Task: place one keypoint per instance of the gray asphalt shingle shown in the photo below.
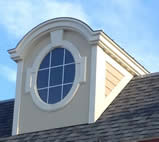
(6, 117)
(132, 116)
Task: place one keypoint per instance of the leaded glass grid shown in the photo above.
(56, 75)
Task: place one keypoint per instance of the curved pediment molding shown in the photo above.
(63, 23)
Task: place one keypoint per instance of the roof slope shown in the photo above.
(6, 117)
(133, 116)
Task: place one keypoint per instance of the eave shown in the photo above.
(118, 54)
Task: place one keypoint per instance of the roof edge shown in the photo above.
(119, 54)
(5, 101)
(125, 52)
(61, 22)
(95, 37)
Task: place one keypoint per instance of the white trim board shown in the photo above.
(98, 100)
(17, 102)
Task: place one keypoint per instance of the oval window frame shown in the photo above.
(80, 75)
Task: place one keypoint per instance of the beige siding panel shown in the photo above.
(113, 77)
(109, 84)
(114, 71)
(107, 90)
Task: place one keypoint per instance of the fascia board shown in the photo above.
(122, 51)
(121, 56)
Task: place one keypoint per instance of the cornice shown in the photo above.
(95, 38)
(118, 54)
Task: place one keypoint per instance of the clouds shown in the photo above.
(8, 73)
(133, 25)
(20, 16)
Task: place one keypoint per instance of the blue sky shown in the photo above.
(133, 24)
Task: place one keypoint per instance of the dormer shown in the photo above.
(67, 75)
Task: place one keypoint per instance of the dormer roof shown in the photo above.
(97, 37)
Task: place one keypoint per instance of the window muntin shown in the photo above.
(56, 75)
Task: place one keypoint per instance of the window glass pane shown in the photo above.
(68, 57)
(42, 80)
(57, 57)
(54, 95)
(56, 76)
(51, 78)
(45, 62)
(69, 73)
(43, 94)
(66, 89)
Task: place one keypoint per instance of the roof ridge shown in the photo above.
(5, 101)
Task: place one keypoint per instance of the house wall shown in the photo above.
(31, 117)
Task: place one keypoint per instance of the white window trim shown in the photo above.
(80, 75)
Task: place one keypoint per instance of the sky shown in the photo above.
(133, 24)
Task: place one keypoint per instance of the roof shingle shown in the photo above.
(6, 117)
(133, 116)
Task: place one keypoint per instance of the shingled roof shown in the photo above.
(6, 117)
(133, 116)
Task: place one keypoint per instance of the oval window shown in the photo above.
(55, 75)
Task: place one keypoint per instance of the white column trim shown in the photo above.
(92, 85)
(17, 102)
